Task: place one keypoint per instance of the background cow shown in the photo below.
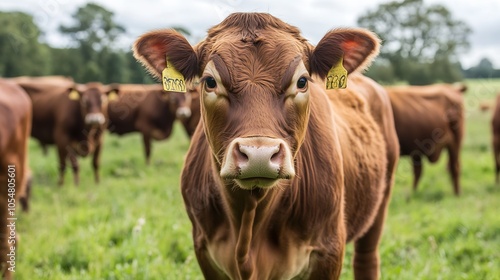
(71, 116)
(149, 110)
(495, 128)
(429, 119)
(15, 126)
(190, 123)
(281, 173)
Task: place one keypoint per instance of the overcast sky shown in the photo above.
(313, 17)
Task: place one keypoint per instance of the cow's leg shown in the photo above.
(416, 160)
(496, 154)
(74, 165)
(209, 272)
(329, 266)
(44, 148)
(146, 138)
(206, 264)
(366, 261)
(62, 153)
(27, 194)
(96, 159)
(454, 167)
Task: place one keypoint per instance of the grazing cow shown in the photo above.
(495, 124)
(281, 172)
(71, 116)
(15, 126)
(147, 109)
(429, 119)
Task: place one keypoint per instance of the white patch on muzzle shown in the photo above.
(183, 113)
(95, 119)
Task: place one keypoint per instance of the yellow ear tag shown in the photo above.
(337, 76)
(172, 79)
(74, 95)
(112, 96)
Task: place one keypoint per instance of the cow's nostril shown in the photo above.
(254, 159)
(240, 155)
(277, 156)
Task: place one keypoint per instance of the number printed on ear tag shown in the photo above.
(337, 76)
(172, 79)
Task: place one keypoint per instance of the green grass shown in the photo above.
(93, 232)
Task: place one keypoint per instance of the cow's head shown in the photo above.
(183, 112)
(93, 98)
(178, 102)
(257, 77)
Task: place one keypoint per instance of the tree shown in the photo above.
(94, 28)
(21, 53)
(94, 33)
(381, 71)
(67, 62)
(413, 33)
(484, 69)
(138, 74)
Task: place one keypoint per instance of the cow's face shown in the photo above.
(93, 100)
(179, 103)
(257, 79)
(255, 108)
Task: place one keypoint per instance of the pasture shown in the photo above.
(133, 224)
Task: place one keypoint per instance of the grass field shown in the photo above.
(133, 224)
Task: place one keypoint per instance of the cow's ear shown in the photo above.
(152, 50)
(74, 94)
(113, 93)
(357, 47)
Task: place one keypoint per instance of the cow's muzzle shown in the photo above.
(95, 119)
(183, 113)
(257, 162)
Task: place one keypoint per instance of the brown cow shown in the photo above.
(429, 119)
(495, 125)
(147, 109)
(190, 123)
(280, 172)
(15, 126)
(71, 116)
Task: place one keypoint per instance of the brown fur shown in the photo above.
(146, 109)
(495, 128)
(15, 126)
(191, 123)
(429, 119)
(344, 152)
(61, 121)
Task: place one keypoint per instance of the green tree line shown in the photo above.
(421, 45)
(91, 56)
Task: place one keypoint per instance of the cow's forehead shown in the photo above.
(264, 57)
(92, 90)
(254, 46)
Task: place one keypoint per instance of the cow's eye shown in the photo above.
(302, 83)
(210, 83)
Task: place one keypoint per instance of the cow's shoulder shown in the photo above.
(199, 188)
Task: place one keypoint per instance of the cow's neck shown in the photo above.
(245, 212)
